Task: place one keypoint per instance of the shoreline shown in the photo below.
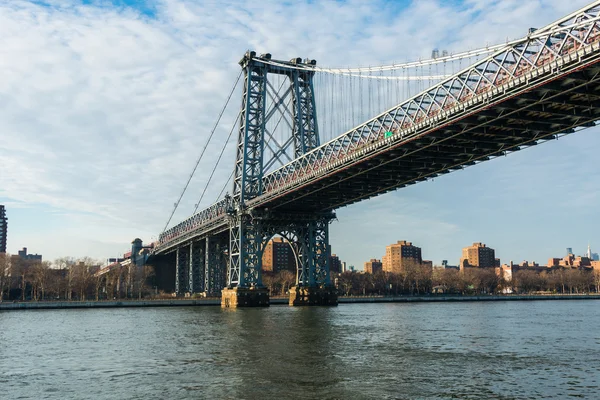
(53, 305)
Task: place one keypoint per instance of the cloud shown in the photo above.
(104, 107)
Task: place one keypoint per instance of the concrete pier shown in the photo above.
(245, 297)
(313, 296)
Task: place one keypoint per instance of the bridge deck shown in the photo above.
(536, 107)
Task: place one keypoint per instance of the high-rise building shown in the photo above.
(3, 229)
(478, 255)
(399, 256)
(278, 256)
(569, 251)
(335, 265)
(373, 266)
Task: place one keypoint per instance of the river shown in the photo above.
(476, 350)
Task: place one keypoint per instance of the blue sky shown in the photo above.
(105, 106)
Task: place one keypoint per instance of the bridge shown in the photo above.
(519, 94)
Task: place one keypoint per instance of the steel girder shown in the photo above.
(245, 251)
(196, 267)
(308, 234)
(215, 268)
(246, 231)
(542, 53)
(248, 172)
(191, 227)
(305, 130)
(181, 270)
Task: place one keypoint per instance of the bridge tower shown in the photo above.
(251, 227)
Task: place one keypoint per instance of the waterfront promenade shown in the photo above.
(41, 305)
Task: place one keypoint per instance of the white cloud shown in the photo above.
(104, 110)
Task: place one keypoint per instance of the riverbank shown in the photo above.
(46, 305)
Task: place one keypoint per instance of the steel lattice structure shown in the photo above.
(531, 90)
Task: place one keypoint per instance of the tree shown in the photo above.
(345, 282)
(286, 279)
(527, 281)
(82, 277)
(66, 265)
(596, 280)
(271, 282)
(489, 281)
(40, 278)
(140, 278)
(4, 273)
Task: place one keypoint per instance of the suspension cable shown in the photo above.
(225, 186)
(203, 150)
(217, 163)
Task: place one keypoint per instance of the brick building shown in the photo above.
(373, 266)
(399, 256)
(478, 256)
(278, 256)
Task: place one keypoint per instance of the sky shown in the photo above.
(106, 105)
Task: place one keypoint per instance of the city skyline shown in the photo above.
(107, 117)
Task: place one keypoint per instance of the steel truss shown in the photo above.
(531, 90)
(181, 270)
(541, 52)
(215, 264)
(247, 228)
(308, 234)
(197, 267)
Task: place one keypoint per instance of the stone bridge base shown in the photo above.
(244, 297)
(313, 296)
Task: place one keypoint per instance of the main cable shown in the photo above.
(212, 132)
(217, 163)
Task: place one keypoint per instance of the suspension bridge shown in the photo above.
(292, 170)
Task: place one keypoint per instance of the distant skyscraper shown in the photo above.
(3, 229)
(569, 250)
(589, 252)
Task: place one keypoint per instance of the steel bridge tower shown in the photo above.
(251, 228)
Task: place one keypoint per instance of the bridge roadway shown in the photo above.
(503, 109)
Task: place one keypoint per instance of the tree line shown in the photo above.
(68, 279)
(421, 280)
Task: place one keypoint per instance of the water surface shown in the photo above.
(489, 350)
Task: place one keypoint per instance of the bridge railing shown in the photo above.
(203, 218)
(537, 50)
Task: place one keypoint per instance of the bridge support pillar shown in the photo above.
(313, 296)
(244, 297)
(181, 271)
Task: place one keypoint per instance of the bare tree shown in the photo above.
(270, 282)
(83, 277)
(596, 280)
(140, 278)
(4, 273)
(66, 265)
(287, 279)
(40, 277)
